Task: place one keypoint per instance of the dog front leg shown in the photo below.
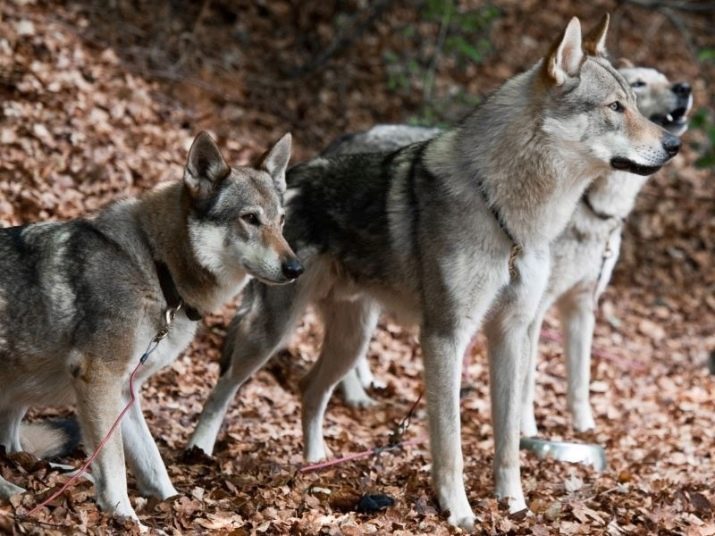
(509, 349)
(443, 351)
(577, 322)
(143, 456)
(253, 336)
(98, 386)
(508, 359)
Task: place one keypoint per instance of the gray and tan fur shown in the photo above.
(582, 257)
(416, 232)
(80, 301)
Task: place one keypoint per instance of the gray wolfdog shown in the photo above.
(582, 257)
(80, 301)
(441, 233)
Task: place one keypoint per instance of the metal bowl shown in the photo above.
(564, 451)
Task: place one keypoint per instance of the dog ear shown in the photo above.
(624, 63)
(564, 60)
(276, 160)
(205, 166)
(595, 41)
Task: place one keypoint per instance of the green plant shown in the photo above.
(706, 54)
(461, 36)
(704, 120)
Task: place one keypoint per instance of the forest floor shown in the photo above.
(97, 104)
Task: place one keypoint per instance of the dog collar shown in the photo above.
(516, 248)
(171, 293)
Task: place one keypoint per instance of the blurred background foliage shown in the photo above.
(328, 66)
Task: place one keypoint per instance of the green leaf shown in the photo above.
(706, 54)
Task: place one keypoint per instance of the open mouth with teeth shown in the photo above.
(675, 118)
(624, 164)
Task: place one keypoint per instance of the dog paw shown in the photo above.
(161, 491)
(360, 402)
(464, 522)
(583, 420)
(517, 506)
(377, 384)
(528, 426)
(508, 489)
(316, 453)
(201, 445)
(7, 489)
(513, 505)
(453, 499)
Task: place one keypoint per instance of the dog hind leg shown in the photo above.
(348, 327)
(365, 375)
(353, 391)
(360, 377)
(528, 420)
(99, 400)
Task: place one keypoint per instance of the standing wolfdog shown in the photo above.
(582, 257)
(440, 233)
(80, 301)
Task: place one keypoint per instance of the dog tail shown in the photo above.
(50, 439)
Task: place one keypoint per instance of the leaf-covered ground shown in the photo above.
(100, 101)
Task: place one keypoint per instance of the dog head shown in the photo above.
(593, 111)
(237, 215)
(663, 102)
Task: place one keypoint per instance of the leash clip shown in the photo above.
(169, 316)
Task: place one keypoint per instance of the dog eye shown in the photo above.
(251, 219)
(616, 106)
(638, 83)
(283, 219)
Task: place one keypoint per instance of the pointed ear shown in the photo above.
(564, 60)
(595, 41)
(205, 167)
(276, 161)
(624, 63)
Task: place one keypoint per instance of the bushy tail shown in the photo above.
(50, 439)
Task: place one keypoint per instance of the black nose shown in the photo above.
(292, 268)
(671, 144)
(682, 89)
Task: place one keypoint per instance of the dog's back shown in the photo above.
(363, 197)
(57, 278)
